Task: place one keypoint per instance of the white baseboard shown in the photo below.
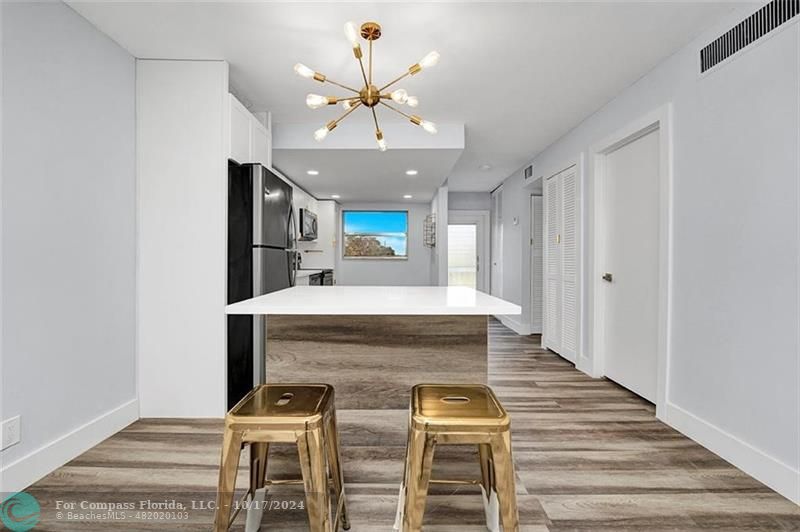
(515, 325)
(23, 472)
(585, 365)
(761, 466)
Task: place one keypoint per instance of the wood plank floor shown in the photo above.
(589, 456)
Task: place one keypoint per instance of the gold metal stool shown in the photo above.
(284, 413)
(458, 414)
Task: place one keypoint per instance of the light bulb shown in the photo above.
(429, 60)
(381, 141)
(412, 101)
(400, 96)
(320, 134)
(315, 101)
(351, 33)
(348, 104)
(303, 70)
(430, 127)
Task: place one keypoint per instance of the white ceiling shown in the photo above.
(517, 75)
(383, 172)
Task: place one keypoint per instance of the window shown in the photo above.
(462, 255)
(375, 234)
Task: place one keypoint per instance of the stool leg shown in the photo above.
(258, 464)
(311, 448)
(229, 465)
(258, 491)
(335, 466)
(419, 459)
(490, 506)
(504, 481)
(401, 497)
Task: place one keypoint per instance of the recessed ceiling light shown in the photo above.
(407, 196)
(411, 172)
(485, 167)
(335, 196)
(312, 172)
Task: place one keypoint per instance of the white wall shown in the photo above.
(182, 174)
(68, 242)
(515, 261)
(469, 201)
(412, 272)
(733, 360)
(438, 265)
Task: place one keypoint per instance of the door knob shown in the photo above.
(608, 277)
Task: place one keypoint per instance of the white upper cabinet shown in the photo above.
(239, 137)
(249, 141)
(260, 143)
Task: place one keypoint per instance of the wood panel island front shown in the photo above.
(373, 343)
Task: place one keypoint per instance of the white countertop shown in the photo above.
(375, 300)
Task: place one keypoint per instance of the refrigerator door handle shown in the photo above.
(291, 246)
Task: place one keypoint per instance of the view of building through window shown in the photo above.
(375, 234)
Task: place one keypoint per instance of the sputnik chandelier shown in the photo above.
(370, 95)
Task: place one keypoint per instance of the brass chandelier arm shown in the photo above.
(333, 100)
(396, 110)
(336, 122)
(370, 63)
(351, 89)
(375, 118)
(395, 80)
(363, 72)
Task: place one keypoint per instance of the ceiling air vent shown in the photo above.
(529, 169)
(748, 31)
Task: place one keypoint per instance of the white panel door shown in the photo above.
(496, 279)
(462, 255)
(537, 265)
(552, 265)
(467, 249)
(630, 257)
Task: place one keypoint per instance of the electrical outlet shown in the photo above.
(10, 430)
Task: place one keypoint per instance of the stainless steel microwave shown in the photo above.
(308, 225)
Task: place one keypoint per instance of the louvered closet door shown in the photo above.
(569, 264)
(552, 265)
(561, 264)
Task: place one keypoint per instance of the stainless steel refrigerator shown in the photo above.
(261, 259)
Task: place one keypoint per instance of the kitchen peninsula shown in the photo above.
(373, 343)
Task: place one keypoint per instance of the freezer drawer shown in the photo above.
(273, 270)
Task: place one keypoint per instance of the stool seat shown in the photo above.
(282, 403)
(443, 407)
